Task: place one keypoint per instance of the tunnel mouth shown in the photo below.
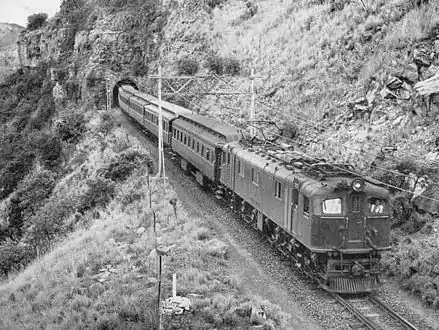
(121, 82)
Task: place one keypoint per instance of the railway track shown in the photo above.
(372, 313)
(368, 310)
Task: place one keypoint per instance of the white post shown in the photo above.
(174, 285)
(252, 106)
(108, 95)
(161, 168)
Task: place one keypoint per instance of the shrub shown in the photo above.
(125, 163)
(14, 255)
(48, 148)
(215, 3)
(215, 64)
(27, 199)
(36, 21)
(70, 127)
(92, 80)
(49, 222)
(14, 171)
(187, 66)
(106, 124)
(99, 191)
(220, 65)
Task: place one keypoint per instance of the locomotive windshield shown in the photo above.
(332, 206)
(377, 205)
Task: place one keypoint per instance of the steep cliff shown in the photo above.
(8, 48)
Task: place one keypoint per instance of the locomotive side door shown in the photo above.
(356, 221)
(294, 205)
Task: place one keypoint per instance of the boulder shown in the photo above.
(429, 72)
(393, 83)
(410, 72)
(421, 57)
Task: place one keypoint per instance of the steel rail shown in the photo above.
(392, 313)
(363, 319)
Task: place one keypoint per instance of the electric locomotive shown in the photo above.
(330, 220)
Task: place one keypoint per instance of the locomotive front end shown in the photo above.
(352, 225)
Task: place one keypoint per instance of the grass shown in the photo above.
(62, 289)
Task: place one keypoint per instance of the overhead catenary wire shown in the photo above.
(320, 126)
(359, 174)
(300, 143)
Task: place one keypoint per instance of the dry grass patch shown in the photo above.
(104, 274)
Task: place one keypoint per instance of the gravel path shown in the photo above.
(263, 271)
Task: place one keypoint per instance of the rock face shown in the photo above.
(8, 48)
(106, 44)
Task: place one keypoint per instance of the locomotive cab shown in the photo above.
(351, 226)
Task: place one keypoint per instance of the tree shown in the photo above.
(36, 21)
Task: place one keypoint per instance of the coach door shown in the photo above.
(217, 164)
(356, 216)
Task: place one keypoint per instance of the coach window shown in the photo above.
(193, 144)
(208, 154)
(202, 150)
(198, 146)
(305, 205)
(278, 189)
(185, 139)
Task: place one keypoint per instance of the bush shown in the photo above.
(70, 128)
(48, 148)
(14, 171)
(36, 21)
(106, 124)
(215, 3)
(49, 222)
(14, 255)
(99, 191)
(187, 66)
(221, 66)
(27, 199)
(125, 163)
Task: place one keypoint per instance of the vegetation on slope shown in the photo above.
(104, 274)
(345, 74)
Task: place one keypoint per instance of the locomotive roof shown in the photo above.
(310, 185)
(214, 127)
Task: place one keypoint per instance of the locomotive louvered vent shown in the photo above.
(290, 158)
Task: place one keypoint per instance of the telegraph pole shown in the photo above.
(108, 85)
(253, 97)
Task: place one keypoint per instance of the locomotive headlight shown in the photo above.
(358, 184)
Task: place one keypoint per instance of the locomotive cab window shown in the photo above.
(278, 189)
(331, 206)
(377, 205)
(305, 205)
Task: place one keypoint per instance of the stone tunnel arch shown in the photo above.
(121, 82)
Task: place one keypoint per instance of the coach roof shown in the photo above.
(211, 126)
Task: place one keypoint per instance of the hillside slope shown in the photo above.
(349, 77)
